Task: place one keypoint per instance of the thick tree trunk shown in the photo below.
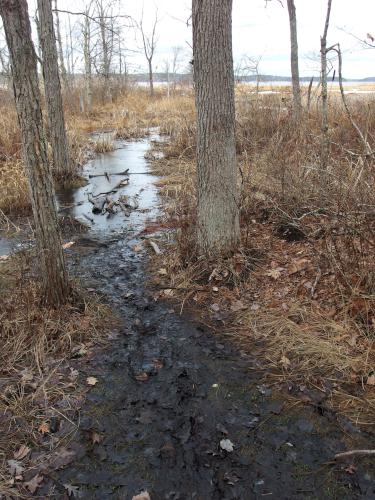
(56, 121)
(297, 103)
(27, 96)
(217, 191)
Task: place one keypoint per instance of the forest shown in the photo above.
(187, 281)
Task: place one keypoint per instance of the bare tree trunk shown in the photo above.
(297, 103)
(87, 59)
(27, 97)
(57, 132)
(217, 191)
(63, 73)
(325, 127)
(151, 78)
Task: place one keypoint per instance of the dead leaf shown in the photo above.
(68, 245)
(215, 307)
(371, 379)
(4, 257)
(96, 438)
(215, 289)
(44, 428)
(155, 247)
(163, 271)
(144, 495)
(237, 305)
(158, 364)
(137, 248)
(73, 491)
(227, 445)
(351, 469)
(298, 265)
(22, 452)
(274, 273)
(91, 380)
(285, 362)
(34, 483)
(15, 467)
(142, 377)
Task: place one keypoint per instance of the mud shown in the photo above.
(169, 391)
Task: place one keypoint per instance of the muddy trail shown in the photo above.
(177, 411)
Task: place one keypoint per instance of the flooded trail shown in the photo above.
(177, 411)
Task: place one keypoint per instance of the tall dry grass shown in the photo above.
(315, 323)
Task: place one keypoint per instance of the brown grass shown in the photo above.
(39, 379)
(313, 325)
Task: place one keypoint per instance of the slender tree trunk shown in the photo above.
(57, 132)
(297, 103)
(63, 73)
(87, 59)
(325, 126)
(217, 191)
(27, 97)
(151, 77)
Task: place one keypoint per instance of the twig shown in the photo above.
(351, 453)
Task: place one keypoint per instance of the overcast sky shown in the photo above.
(260, 31)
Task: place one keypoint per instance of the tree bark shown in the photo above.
(217, 191)
(27, 97)
(151, 77)
(56, 121)
(63, 72)
(325, 145)
(297, 103)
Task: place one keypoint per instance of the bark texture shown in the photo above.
(325, 145)
(27, 97)
(297, 103)
(217, 190)
(56, 121)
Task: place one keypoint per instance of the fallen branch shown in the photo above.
(125, 172)
(351, 453)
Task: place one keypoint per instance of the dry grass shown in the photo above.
(307, 306)
(39, 377)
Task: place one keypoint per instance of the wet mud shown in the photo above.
(177, 411)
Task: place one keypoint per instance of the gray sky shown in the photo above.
(260, 31)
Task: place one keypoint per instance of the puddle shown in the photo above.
(103, 174)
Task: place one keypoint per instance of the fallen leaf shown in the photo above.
(142, 377)
(73, 491)
(155, 247)
(298, 265)
(44, 428)
(4, 257)
(351, 469)
(285, 362)
(163, 271)
(274, 273)
(158, 364)
(22, 452)
(215, 289)
(137, 248)
(144, 495)
(237, 306)
(73, 373)
(227, 445)
(91, 380)
(371, 379)
(68, 245)
(34, 483)
(96, 438)
(15, 467)
(215, 307)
